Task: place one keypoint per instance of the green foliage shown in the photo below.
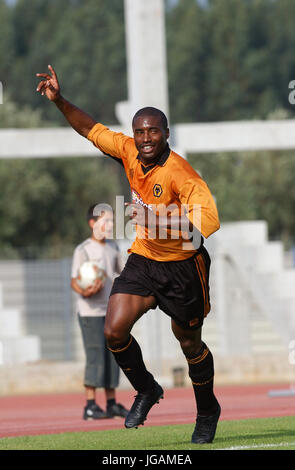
(7, 53)
(12, 115)
(253, 186)
(83, 40)
(231, 60)
(187, 53)
(44, 202)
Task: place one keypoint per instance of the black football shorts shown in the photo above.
(181, 288)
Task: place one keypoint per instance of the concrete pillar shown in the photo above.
(146, 59)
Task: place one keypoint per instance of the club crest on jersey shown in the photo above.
(157, 190)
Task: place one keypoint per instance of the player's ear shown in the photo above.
(167, 133)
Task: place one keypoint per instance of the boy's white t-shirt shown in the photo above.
(108, 255)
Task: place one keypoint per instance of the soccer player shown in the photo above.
(168, 265)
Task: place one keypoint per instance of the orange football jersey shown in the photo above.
(169, 187)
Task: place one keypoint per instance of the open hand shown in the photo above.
(49, 86)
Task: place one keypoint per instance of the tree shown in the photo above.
(239, 62)
(253, 186)
(187, 53)
(44, 202)
(7, 53)
(83, 40)
(281, 46)
(229, 59)
(12, 115)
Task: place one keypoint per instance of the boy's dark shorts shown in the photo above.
(181, 288)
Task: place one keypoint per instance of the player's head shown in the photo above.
(150, 111)
(100, 220)
(151, 132)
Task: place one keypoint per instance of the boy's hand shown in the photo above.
(94, 289)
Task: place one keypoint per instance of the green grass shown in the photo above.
(269, 433)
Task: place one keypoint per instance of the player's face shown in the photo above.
(150, 137)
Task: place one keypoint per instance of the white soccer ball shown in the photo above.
(88, 273)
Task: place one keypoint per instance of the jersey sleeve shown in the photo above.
(114, 144)
(200, 205)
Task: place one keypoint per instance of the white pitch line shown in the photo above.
(258, 446)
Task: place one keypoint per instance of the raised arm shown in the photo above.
(78, 119)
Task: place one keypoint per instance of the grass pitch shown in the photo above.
(256, 434)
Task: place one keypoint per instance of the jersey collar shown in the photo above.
(161, 161)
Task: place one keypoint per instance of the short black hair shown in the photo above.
(150, 111)
(97, 210)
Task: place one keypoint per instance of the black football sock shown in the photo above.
(111, 402)
(129, 359)
(90, 402)
(201, 372)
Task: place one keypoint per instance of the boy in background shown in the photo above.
(101, 370)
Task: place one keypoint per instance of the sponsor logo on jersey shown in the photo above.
(138, 200)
